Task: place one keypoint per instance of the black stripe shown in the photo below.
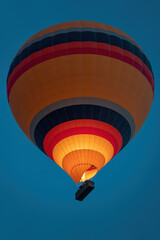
(79, 37)
(81, 112)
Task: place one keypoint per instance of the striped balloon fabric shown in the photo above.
(80, 91)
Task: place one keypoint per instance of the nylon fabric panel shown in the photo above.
(82, 141)
(92, 126)
(80, 37)
(79, 24)
(66, 31)
(78, 77)
(75, 48)
(74, 112)
(49, 144)
(94, 103)
(87, 158)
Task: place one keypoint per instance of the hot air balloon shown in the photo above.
(80, 91)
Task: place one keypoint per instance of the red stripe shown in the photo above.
(49, 143)
(79, 123)
(78, 48)
(91, 168)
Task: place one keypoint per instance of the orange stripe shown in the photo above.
(80, 142)
(80, 76)
(87, 158)
(78, 48)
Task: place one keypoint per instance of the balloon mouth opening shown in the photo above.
(89, 173)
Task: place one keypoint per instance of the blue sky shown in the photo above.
(36, 196)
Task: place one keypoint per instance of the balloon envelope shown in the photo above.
(80, 91)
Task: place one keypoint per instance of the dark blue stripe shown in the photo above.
(81, 112)
(79, 37)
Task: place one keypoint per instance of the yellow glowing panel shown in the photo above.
(78, 163)
(82, 141)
